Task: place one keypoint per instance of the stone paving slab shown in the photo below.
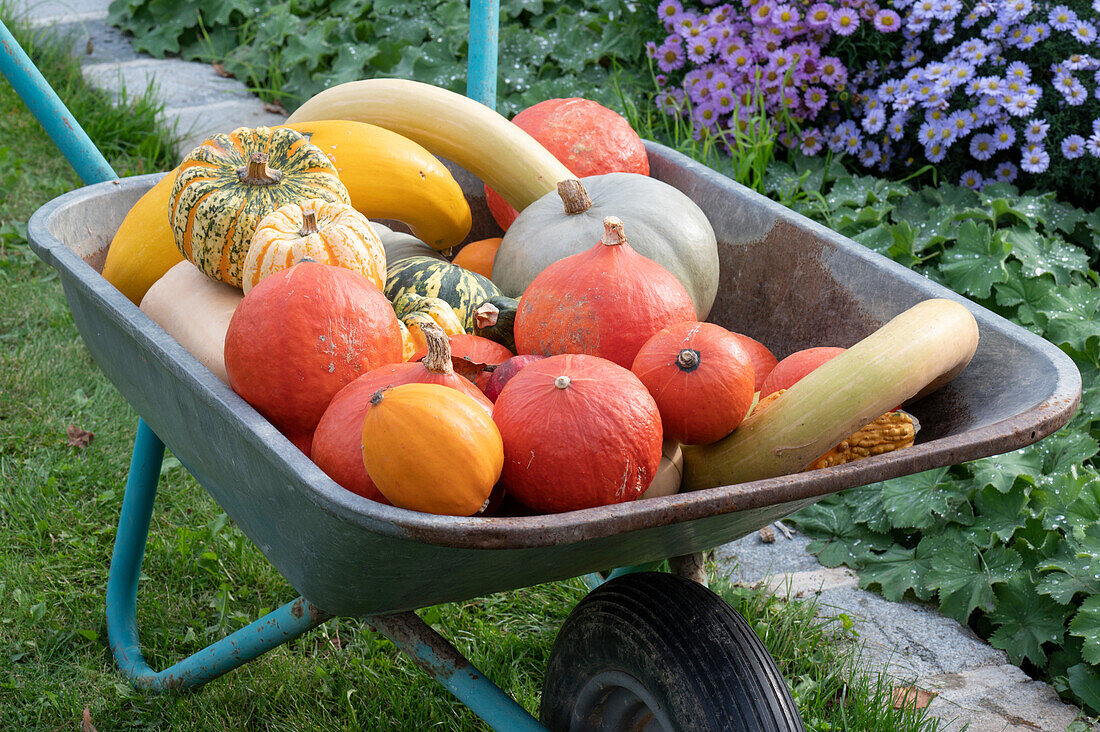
(974, 683)
(195, 124)
(108, 44)
(179, 83)
(50, 12)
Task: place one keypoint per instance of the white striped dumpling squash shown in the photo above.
(231, 181)
(326, 232)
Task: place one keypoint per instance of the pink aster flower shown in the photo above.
(845, 21)
(887, 21)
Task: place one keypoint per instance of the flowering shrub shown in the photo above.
(987, 91)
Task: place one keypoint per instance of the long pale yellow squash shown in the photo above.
(918, 351)
(449, 125)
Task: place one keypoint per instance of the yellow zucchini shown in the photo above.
(450, 125)
(918, 351)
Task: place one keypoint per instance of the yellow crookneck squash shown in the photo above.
(418, 190)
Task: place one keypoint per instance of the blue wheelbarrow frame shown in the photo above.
(1019, 389)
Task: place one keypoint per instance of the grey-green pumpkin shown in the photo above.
(664, 224)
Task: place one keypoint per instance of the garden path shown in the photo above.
(973, 682)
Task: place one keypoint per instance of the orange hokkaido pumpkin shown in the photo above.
(322, 231)
(606, 301)
(477, 256)
(579, 431)
(763, 361)
(587, 137)
(337, 447)
(701, 378)
(431, 448)
(300, 336)
(794, 367)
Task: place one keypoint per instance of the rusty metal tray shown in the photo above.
(785, 281)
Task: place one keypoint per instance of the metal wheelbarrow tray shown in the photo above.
(785, 280)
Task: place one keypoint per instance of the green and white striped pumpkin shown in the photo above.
(231, 181)
(409, 279)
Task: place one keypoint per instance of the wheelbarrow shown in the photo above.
(643, 650)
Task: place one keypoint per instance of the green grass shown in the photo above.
(202, 578)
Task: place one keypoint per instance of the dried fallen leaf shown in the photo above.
(90, 47)
(767, 535)
(220, 71)
(78, 437)
(86, 721)
(275, 108)
(466, 367)
(911, 696)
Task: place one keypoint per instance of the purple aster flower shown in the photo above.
(785, 16)
(812, 142)
(1006, 172)
(1073, 147)
(1096, 126)
(815, 98)
(706, 115)
(669, 9)
(1084, 31)
(724, 101)
(819, 15)
(947, 10)
(698, 50)
(896, 128)
(1093, 145)
(1035, 161)
(761, 14)
(1096, 5)
(995, 30)
(971, 179)
(928, 133)
(870, 154)
(845, 21)
(874, 121)
(887, 21)
(670, 55)
(832, 71)
(1018, 71)
(1036, 130)
(1003, 137)
(935, 152)
(1020, 105)
(944, 32)
(1076, 96)
(671, 101)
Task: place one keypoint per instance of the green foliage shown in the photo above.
(1009, 544)
(288, 51)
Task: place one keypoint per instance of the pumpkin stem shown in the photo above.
(688, 360)
(562, 382)
(574, 196)
(256, 172)
(486, 315)
(613, 232)
(309, 223)
(438, 360)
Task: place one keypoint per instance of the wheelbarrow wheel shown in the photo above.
(653, 651)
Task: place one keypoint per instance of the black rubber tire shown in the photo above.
(653, 651)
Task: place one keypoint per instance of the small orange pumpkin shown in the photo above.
(478, 256)
(323, 231)
(431, 448)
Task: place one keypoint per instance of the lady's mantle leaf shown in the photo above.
(1026, 621)
(1086, 624)
(914, 501)
(898, 570)
(965, 577)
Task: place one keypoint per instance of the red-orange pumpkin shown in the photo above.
(504, 372)
(763, 360)
(302, 334)
(606, 301)
(795, 366)
(579, 431)
(700, 377)
(336, 442)
(587, 137)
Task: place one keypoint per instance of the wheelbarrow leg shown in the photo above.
(277, 627)
(442, 661)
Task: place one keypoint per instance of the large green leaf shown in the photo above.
(1028, 294)
(898, 570)
(1001, 513)
(1074, 569)
(965, 576)
(1072, 315)
(976, 262)
(840, 540)
(914, 501)
(1001, 471)
(1026, 620)
(1041, 255)
(1086, 625)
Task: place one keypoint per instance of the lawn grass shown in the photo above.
(202, 578)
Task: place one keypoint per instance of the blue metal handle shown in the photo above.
(481, 64)
(51, 112)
